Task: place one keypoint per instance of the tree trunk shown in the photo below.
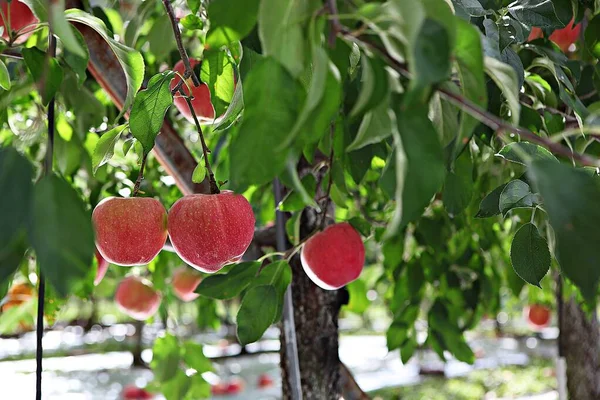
(316, 317)
(579, 344)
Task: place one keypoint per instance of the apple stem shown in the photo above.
(214, 188)
(330, 162)
(138, 181)
(182, 52)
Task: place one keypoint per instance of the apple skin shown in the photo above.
(218, 389)
(235, 385)
(265, 381)
(335, 257)
(102, 268)
(132, 392)
(538, 315)
(209, 231)
(136, 298)
(563, 37)
(20, 16)
(201, 102)
(185, 281)
(130, 231)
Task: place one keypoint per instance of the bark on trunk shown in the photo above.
(579, 344)
(316, 317)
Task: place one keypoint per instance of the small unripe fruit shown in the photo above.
(538, 315)
(201, 102)
(185, 281)
(136, 298)
(102, 268)
(335, 257)
(209, 231)
(20, 17)
(130, 231)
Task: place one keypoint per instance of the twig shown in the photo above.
(214, 189)
(179, 84)
(12, 54)
(138, 181)
(497, 124)
(182, 52)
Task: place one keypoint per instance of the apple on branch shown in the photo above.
(137, 298)
(130, 231)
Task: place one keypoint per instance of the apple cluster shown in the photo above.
(206, 231)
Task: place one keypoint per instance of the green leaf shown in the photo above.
(359, 302)
(530, 255)
(16, 174)
(278, 275)
(149, 109)
(231, 284)
(458, 186)
(11, 318)
(517, 194)
(490, 205)
(230, 21)
(194, 357)
(199, 173)
(4, 77)
(166, 357)
(46, 72)
(303, 194)
(61, 233)
(105, 147)
(431, 53)
(269, 115)
(525, 152)
(75, 61)
(374, 86)
(570, 199)
(11, 255)
(375, 126)
(177, 387)
(361, 225)
(129, 59)
(424, 167)
(541, 13)
(280, 31)
(256, 314)
(194, 5)
(506, 79)
(469, 62)
(218, 73)
(160, 39)
(192, 22)
(64, 30)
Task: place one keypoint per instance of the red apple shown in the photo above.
(102, 268)
(130, 231)
(219, 388)
(235, 385)
(185, 281)
(209, 231)
(265, 381)
(201, 101)
(538, 315)
(335, 257)
(136, 298)
(135, 393)
(563, 38)
(20, 17)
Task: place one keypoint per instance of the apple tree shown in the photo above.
(458, 138)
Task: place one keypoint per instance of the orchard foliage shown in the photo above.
(465, 154)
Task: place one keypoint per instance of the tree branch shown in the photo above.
(497, 124)
(214, 189)
(182, 52)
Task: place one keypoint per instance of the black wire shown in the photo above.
(39, 351)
